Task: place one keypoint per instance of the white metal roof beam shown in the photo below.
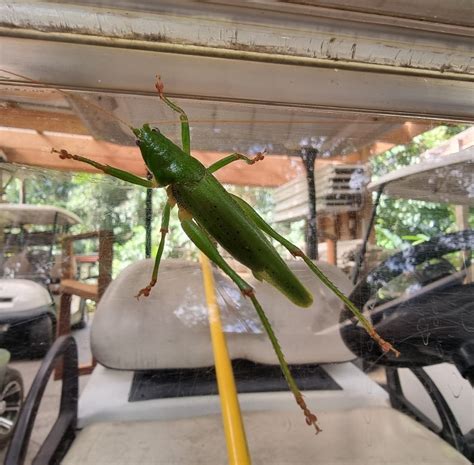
(235, 54)
(125, 70)
(327, 35)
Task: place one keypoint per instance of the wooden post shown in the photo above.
(67, 271)
(309, 155)
(462, 216)
(63, 325)
(462, 222)
(331, 250)
(106, 253)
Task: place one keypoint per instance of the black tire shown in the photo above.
(11, 400)
(41, 337)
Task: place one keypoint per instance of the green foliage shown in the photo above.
(400, 220)
(100, 201)
(106, 203)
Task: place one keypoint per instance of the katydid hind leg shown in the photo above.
(165, 220)
(297, 252)
(199, 237)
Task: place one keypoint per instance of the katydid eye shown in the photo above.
(155, 130)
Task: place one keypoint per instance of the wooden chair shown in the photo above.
(70, 286)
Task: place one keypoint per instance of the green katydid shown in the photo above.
(207, 211)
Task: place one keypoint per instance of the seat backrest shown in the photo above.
(169, 328)
(17, 265)
(57, 270)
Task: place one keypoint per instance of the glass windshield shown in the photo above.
(320, 155)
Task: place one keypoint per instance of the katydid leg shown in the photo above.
(297, 252)
(185, 136)
(234, 157)
(165, 221)
(107, 169)
(202, 241)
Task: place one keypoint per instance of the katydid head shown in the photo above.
(163, 158)
(145, 134)
(151, 143)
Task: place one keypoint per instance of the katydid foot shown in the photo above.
(64, 154)
(310, 417)
(159, 86)
(164, 231)
(383, 344)
(146, 290)
(251, 161)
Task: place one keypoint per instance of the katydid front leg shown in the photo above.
(234, 157)
(185, 136)
(297, 252)
(107, 169)
(199, 237)
(165, 220)
(131, 178)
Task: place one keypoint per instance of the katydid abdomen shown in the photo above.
(219, 214)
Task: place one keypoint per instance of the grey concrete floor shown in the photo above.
(49, 407)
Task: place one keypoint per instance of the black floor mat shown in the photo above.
(249, 377)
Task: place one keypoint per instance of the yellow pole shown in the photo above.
(237, 448)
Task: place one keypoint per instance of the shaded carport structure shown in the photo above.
(347, 79)
(358, 78)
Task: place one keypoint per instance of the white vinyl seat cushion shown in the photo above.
(351, 437)
(169, 328)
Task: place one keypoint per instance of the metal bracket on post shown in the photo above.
(309, 155)
(148, 217)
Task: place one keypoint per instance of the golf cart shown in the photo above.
(423, 298)
(30, 271)
(152, 398)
